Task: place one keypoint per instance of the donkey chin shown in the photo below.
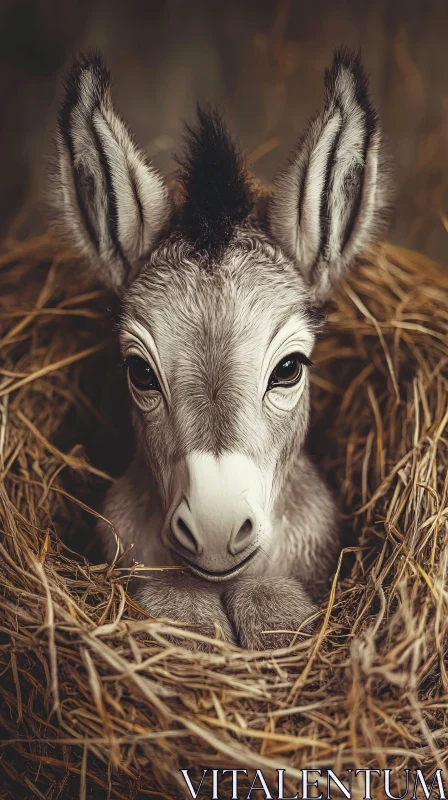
(219, 518)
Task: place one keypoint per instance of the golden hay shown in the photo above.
(90, 706)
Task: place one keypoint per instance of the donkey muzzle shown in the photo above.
(218, 526)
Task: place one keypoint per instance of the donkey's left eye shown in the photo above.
(287, 372)
(142, 375)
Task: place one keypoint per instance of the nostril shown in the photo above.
(245, 530)
(243, 536)
(184, 535)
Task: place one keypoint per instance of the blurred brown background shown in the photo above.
(261, 60)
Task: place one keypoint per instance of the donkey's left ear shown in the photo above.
(331, 200)
(111, 203)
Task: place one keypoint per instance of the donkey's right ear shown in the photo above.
(112, 204)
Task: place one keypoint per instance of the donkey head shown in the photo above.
(220, 301)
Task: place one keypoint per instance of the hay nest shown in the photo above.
(90, 706)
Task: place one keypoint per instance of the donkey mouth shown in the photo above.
(218, 576)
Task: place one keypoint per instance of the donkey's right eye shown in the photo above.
(142, 375)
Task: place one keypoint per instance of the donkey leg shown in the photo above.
(268, 612)
(185, 601)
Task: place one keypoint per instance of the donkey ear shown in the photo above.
(330, 201)
(112, 204)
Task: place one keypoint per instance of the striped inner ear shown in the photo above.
(325, 204)
(313, 223)
(129, 233)
(114, 204)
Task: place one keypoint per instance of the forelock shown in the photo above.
(217, 190)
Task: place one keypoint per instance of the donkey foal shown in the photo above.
(220, 307)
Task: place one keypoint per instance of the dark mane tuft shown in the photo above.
(217, 189)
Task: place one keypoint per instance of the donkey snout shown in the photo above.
(217, 526)
(214, 530)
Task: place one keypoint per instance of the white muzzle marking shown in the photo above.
(222, 518)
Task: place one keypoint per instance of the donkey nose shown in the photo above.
(213, 529)
(220, 515)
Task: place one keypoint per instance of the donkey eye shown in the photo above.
(142, 375)
(287, 372)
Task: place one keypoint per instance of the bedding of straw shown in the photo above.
(93, 706)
